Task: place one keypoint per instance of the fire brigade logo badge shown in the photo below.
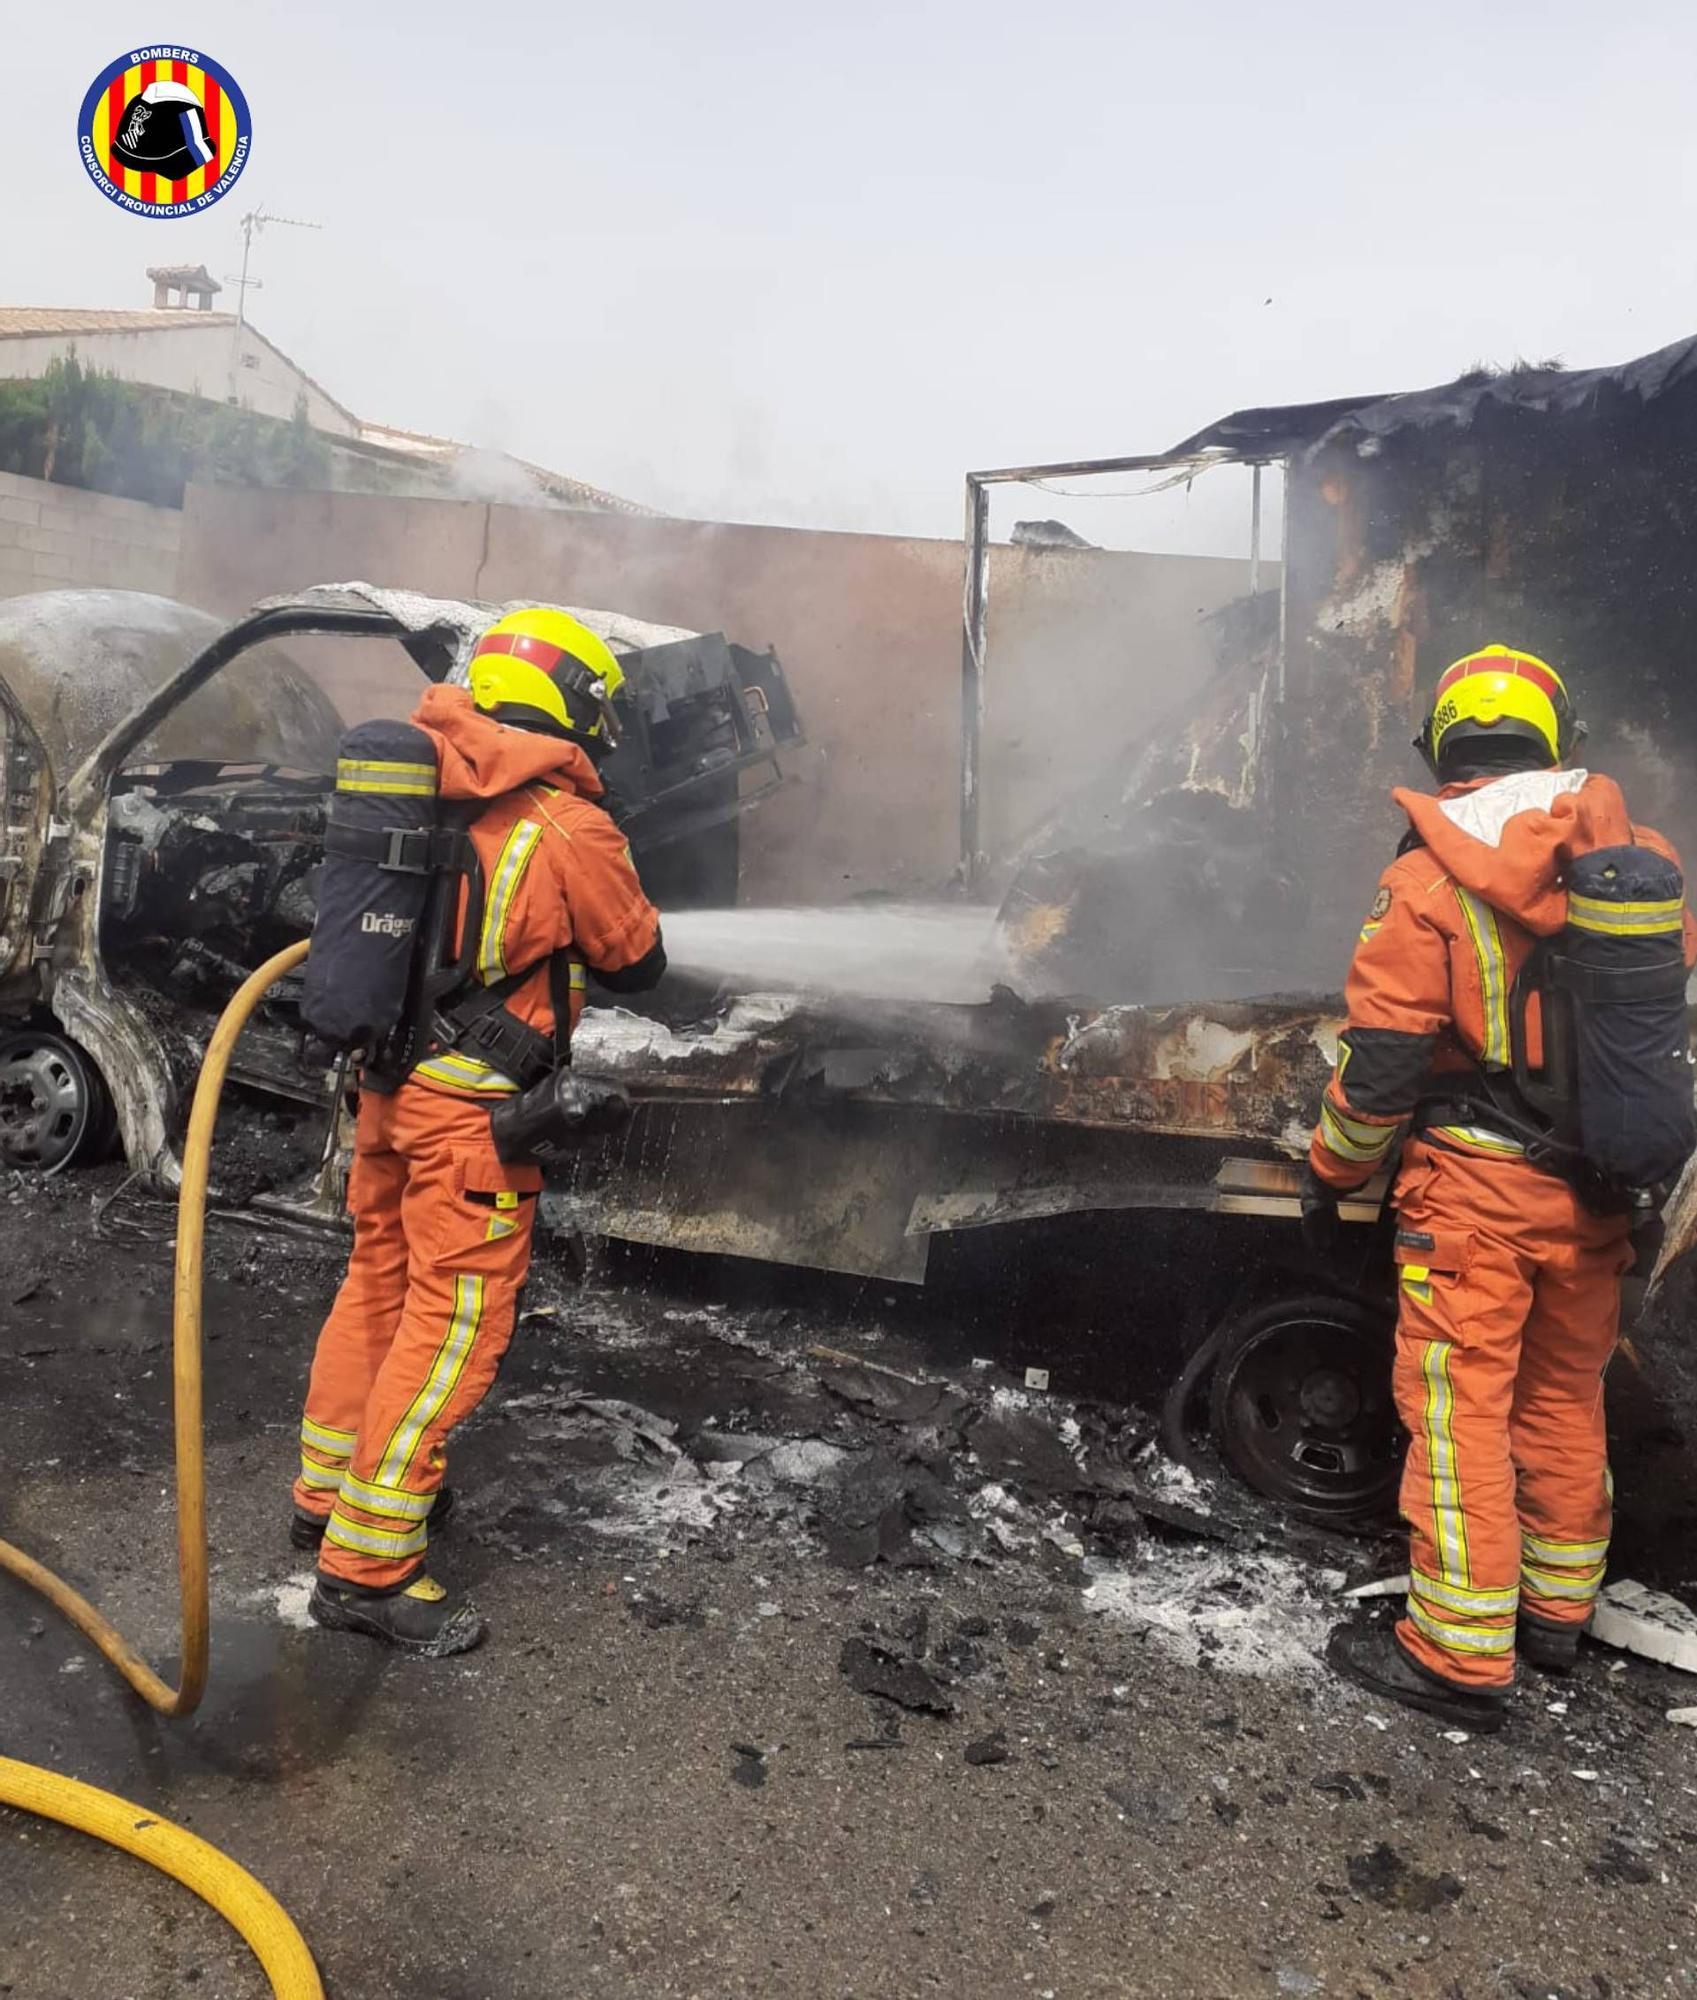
(1381, 903)
(164, 132)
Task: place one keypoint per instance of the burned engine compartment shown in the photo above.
(208, 871)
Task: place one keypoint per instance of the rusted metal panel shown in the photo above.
(1235, 1071)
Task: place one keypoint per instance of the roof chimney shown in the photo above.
(186, 282)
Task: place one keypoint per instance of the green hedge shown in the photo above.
(82, 427)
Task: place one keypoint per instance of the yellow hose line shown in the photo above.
(229, 1889)
(247, 1906)
(185, 1369)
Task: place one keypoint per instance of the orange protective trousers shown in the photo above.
(1509, 1309)
(442, 1234)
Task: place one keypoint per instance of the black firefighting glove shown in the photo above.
(1322, 1227)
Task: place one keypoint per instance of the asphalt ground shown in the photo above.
(657, 1779)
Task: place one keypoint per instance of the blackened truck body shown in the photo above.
(165, 786)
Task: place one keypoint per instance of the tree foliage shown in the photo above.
(84, 427)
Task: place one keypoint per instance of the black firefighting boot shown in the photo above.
(421, 1617)
(1374, 1658)
(306, 1531)
(1542, 1643)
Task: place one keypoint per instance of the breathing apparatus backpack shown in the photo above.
(1614, 1090)
(385, 975)
(1609, 1107)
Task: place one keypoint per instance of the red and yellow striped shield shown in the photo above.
(164, 131)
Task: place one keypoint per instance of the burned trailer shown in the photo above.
(1542, 507)
(1225, 862)
(167, 781)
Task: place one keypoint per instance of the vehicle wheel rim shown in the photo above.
(47, 1101)
(1309, 1418)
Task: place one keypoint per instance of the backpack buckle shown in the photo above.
(407, 850)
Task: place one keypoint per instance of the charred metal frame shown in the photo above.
(975, 608)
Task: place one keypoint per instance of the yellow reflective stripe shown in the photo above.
(499, 1226)
(1577, 1588)
(394, 1501)
(1364, 1131)
(1341, 1135)
(1614, 920)
(375, 1541)
(1600, 906)
(438, 1385)
(1452, 1597)
(465, 1073)
(1480, 1140)
(1367, 931)
(1463, 1638)
(516, 850)
(1481, 922)
(1564, 1555)
(336, 1444)
(362, 774)
(580, 978)
(1449, 1525)
(319, 1478)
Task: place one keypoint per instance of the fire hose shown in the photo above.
(244, 1903)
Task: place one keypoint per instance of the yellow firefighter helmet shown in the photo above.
(1494, 703)
(545, 661)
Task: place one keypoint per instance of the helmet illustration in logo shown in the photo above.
(163, 131)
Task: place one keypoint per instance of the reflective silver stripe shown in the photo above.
(516, 850)
(465, 1073)
(393, 1501)
(1571, 1586)
(439, 1384)
(335, 1444)
(319, 1479)
(1452, 1597)
(1564, 1555)
(1353, 1138)
(1590, 913)
(1448, 1522)
(374, 1541)
(1463, 1638)
(1477, 1135)
(364, 774)
(1481, 922)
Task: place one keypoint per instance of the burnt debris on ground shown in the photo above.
(797, 1614)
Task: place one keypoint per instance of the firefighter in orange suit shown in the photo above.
(442, 1226)
(1508, 1284)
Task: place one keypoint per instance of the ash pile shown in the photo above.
(683, 1430)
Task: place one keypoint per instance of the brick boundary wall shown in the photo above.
(59, 537)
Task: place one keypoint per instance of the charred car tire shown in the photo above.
(1301, 1407)
(55, 1109)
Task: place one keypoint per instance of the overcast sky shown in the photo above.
(775, 261)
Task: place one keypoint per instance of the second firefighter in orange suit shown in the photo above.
(442, 1226)
(1508, 1284)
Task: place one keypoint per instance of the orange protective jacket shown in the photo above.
(1452, 924)
(557, 872)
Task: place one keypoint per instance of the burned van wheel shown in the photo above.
(54, 1109)
(1301, 1408)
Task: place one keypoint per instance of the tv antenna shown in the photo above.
(251, 226)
